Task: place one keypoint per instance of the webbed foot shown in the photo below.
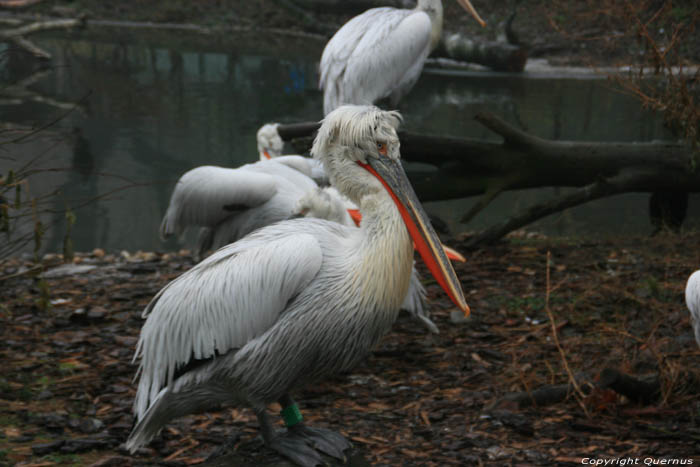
(328, 442)
(295, 448)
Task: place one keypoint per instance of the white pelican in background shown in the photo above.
(228, 204)
(692, 300)
(270, 146)
(293, 302)
(380, 53)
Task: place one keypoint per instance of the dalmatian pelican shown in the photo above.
(293, 302)
(380, 53)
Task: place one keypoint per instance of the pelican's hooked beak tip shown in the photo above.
(391, 174)
(453, 254)
(466, 310)
(466, 4)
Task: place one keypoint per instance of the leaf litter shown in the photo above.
(506, 386)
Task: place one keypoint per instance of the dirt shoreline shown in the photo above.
(66, 391)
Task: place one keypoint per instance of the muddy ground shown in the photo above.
(66, 389)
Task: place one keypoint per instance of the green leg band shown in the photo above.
(291, 415)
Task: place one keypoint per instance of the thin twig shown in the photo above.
(580, 396)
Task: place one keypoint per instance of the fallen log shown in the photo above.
(468, 167)
(18, 3)
(16, 35)
(499, 56)
(642, 390)
(541, 397)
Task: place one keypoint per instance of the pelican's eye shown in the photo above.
(381, 147)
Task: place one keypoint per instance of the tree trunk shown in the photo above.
(467, 167)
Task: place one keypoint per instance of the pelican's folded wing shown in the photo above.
(343, 45)
(231, 297)
(206, 195)
(389, 59)
(372, 54)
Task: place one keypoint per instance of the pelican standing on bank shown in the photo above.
(228, 204)
(692, 301)
(292, 302)
(380, 53)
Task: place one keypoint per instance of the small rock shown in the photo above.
(45, 394)
(68, 270)
(127, 341)
(60, 301)
(96, 312)
(458, 317)
(146, 256)
(118, 388)
(54, 421)
(46, 448)
(85, 444)
(98, 253)
(90, 425)
(52, 257)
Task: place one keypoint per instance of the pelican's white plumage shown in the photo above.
(227, 204)
(692, 301)
(294, 301)
(380, 53)
(221, 304)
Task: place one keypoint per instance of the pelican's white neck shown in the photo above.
(387, 248)
(434, 9)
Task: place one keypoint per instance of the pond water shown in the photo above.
(151, 106)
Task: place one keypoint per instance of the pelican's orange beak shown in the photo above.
(453, 254)
(266, 154)
(390, 173)
(466, 4)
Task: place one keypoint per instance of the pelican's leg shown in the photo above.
(294, 448)
(327, 441)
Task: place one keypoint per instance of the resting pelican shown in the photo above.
(270, 146)
(230, 203)
(293, 302)
(380, 53)
(692, 300)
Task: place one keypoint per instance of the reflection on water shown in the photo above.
(150, 109)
